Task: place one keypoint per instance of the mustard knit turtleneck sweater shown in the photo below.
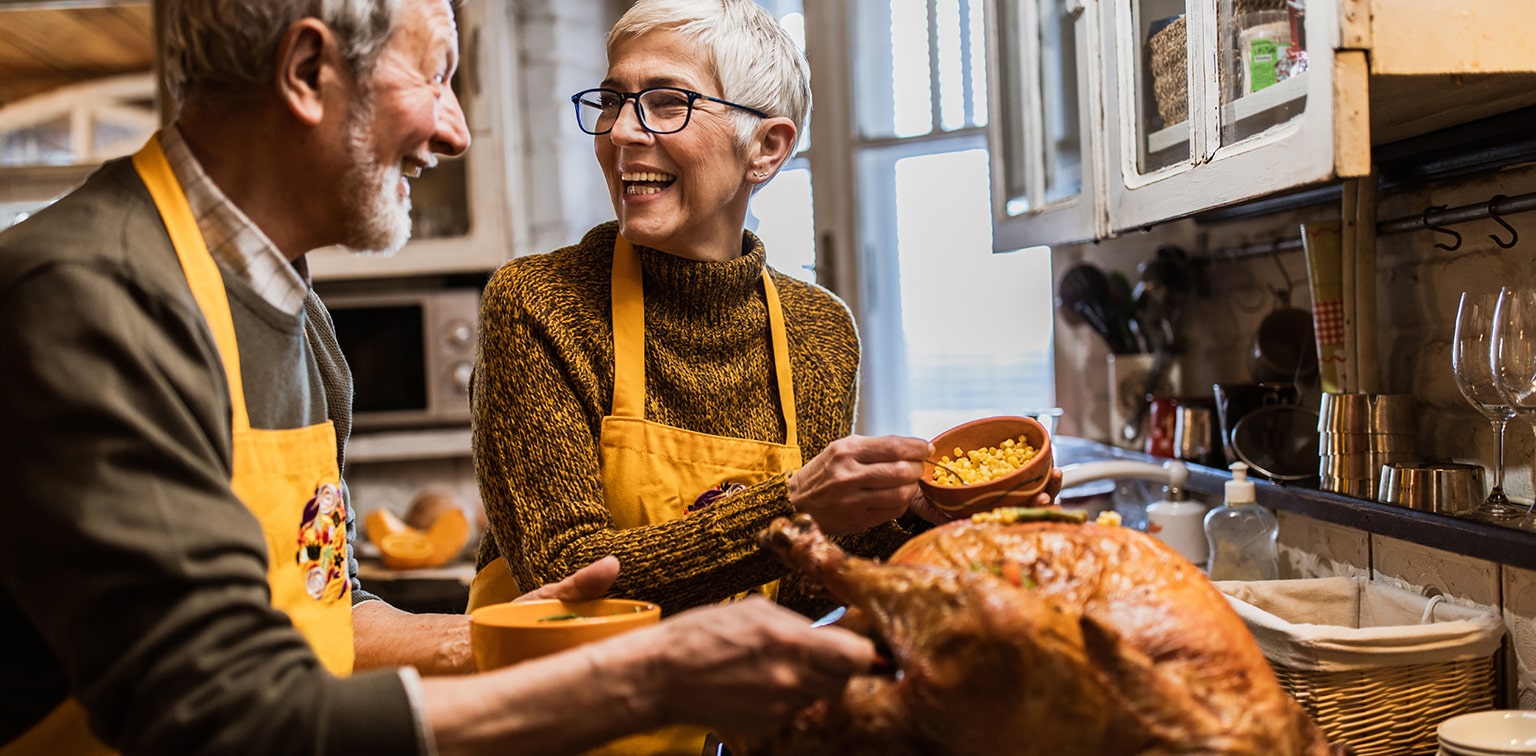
(544, 382)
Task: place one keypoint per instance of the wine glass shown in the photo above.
(1472, 363)
(1512, 356)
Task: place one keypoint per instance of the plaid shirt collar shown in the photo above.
(233, 240)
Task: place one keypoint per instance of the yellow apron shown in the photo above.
(653, 472)
(287, 478)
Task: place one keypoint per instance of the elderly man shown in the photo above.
(176, 548)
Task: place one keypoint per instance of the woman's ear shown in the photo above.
(776, 142)
(306, 60)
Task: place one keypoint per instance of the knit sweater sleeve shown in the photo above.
(543, 383)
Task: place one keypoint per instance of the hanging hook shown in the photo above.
(1514, 236)
(1441, 245)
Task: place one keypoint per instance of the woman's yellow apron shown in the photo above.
(287, 478)
(653, 472)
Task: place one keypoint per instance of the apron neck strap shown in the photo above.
(197, 264)
(628, 294)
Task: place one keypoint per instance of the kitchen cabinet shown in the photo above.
(1175, 114)
(1044, 87)
(461, 221)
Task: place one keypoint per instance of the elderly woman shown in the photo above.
(657, 391)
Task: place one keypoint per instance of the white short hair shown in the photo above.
(756, 60)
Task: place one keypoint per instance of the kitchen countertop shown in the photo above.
(1494, 543)
(438, 590)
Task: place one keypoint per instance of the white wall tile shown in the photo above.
(1464, 580)
(1520, 620)
(1312, 548)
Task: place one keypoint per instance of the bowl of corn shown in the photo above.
(1002, 461)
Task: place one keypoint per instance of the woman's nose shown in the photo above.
(626, 125)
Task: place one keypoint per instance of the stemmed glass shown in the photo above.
(1512, 355)
(1471, 361)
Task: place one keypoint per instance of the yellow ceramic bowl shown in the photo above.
(505, 634)
(1015, 489)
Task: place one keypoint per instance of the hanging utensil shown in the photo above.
(1084, 293)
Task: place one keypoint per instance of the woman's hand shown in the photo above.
(858, 482)
(586, 584)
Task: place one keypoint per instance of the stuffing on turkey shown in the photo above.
(1011, 635)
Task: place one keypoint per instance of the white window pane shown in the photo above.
(951, 68)
(909, 68)
(963, 307)
(782, 212)
(977, 34)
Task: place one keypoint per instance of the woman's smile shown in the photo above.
(640, 183)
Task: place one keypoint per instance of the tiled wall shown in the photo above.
(1417, 290)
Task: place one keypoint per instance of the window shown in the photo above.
(950, 330)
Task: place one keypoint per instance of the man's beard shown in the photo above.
(376, 219)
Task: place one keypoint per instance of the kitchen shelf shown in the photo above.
(1279, 95)
(1494, 543)
(397, 446)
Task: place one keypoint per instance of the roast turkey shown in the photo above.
(1037, 637)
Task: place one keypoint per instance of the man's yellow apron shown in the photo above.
(653, 472)
(287, 478)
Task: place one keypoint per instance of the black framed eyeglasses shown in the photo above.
(661, 110)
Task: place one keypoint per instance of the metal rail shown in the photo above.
(1496, 207)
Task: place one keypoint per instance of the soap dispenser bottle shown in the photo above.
(1180, 524)
(1241, 534)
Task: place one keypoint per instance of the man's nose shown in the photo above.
(452, 135)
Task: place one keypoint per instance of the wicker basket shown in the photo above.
(1170, 72)
(1377, 667)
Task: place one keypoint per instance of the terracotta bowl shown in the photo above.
(1016, 489)
(505, 634)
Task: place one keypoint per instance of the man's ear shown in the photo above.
(776, 140)
(305, 53)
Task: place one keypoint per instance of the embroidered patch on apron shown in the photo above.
(715, 494)
(322, 554)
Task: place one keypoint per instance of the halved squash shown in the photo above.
(406, 550)
(403, 547)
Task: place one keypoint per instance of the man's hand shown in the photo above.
(746, 668)
(586, 584)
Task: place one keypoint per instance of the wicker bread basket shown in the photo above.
(1377, 667)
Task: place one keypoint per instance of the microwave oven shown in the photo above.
(411, 353)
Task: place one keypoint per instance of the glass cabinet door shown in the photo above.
(1044, 85)
(1165, 31)
(1262, 64)
(1210, 103)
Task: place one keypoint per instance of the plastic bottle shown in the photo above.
(1179, 523)
(1241, 534)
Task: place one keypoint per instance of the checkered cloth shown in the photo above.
(1328, 322)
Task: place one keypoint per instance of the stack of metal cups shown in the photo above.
(1358, 434)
